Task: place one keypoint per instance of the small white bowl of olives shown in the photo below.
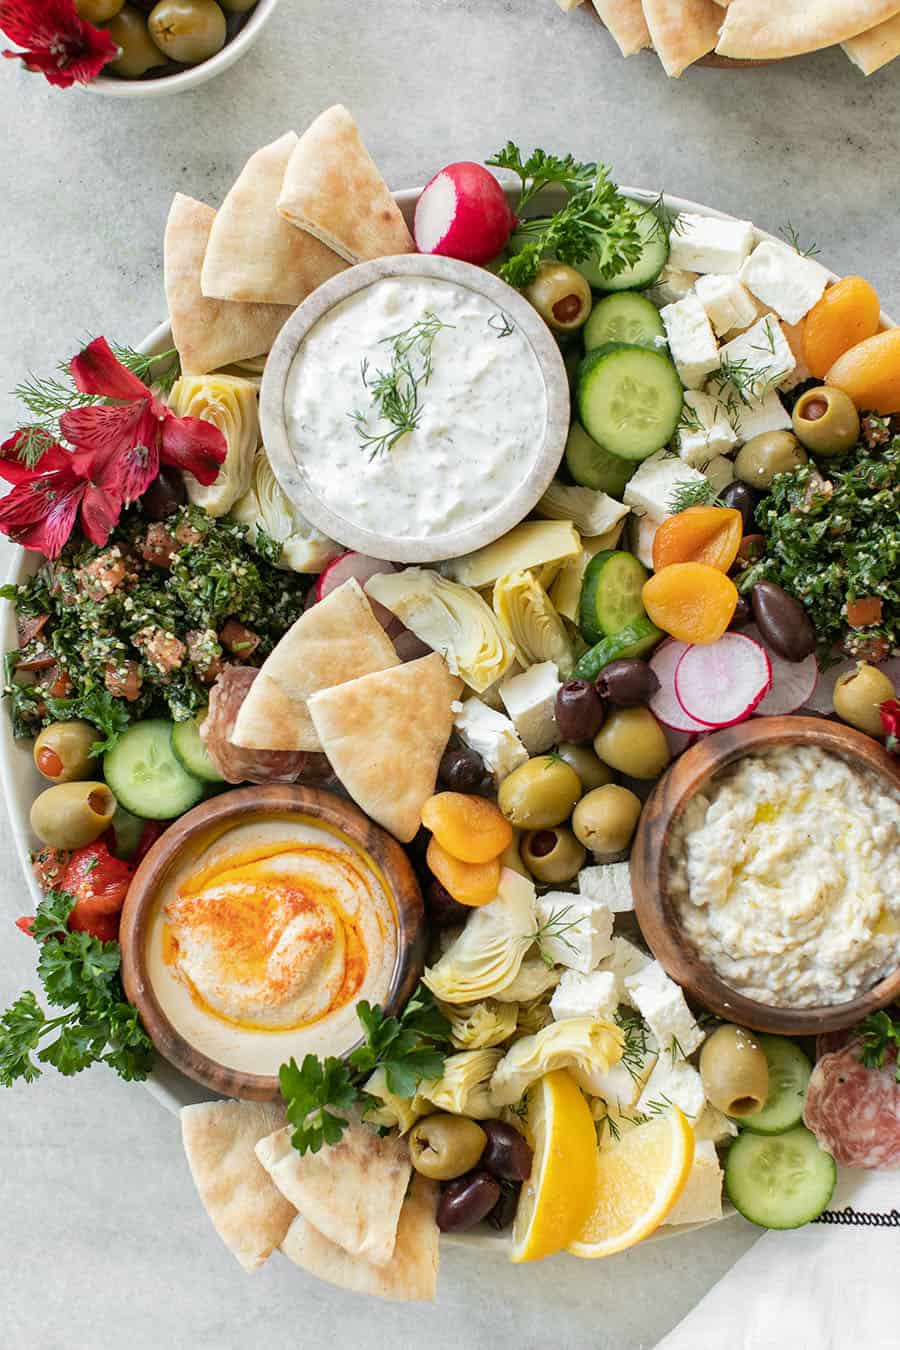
(170, 45)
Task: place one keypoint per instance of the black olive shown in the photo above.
(503, 1213)
(442, 909)
(462, 770)
(467, 1200)
(627, 683)
(164, 495)
(782, 621)
(742, 615)
(506, 1154)
(741, 497)
(579, 711)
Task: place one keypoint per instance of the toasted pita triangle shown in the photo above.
(333, 189)
(384, 735)
(208, 333)
(410, 1275)
(874, 49)
(253, 253)
(682, 31)
(351, 1192)
(624, 19)
(774, 29)
(248, 1212)
(335, 641)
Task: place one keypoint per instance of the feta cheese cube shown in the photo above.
(673, 283)
(692, 341)
(756, 415)
(704, 430)
(530, 700)
(610, 884)
(617, 1088)
(576, 931)
(706, 244)
(644, 534)
(625, 960)
(492, 736)
(661, 1004)
(592, 995)
(651, 486)
(719, 472)
(780, 277)
(701, 1199)
(727, 301)
(758, 359)
(669, 1084)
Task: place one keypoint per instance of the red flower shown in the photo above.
(41, 510)
(58, 43)
(890, 720)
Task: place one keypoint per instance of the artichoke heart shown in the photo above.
(526, 612)
(533, 543)
(534, 1015)
(481, 1025)
(588, 1048)
(265, 506)
(464, 1087)
(535, 978)
(450, 618)
(230, 404)
(393, 1112)
(488, 953)
(589, 511)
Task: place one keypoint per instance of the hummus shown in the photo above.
(481, 408)
(264, 938)
(784, 875)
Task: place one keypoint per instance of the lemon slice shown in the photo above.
(556, 1201)
(638, 1181)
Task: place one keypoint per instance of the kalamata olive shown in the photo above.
(741, 497)
(62, 751)
(466, 1201)
(506, 1154)
(503, 1213)
(752, 548)
(627, 683)
(444, 1146)
(742, 615)
(442, 909)
(164, 496)
(579, 711)
(782, 621)
(461, 769)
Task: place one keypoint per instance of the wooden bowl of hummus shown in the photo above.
(255, 925)
(764, 873)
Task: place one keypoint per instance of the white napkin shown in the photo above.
(832, 1285)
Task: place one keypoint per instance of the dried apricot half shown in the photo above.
(704, 534)
(691, 601)
(848, 312)
(870, 373)
(469, 883)
(467, 827)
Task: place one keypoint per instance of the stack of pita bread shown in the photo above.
(353, 1214)
(683, 31)
(301, 210)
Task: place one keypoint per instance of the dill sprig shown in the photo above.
(395, 392)
(555, 926)
(790, 235)
(685, 495)
(161, 370)
(502, 324)
(635, 1048)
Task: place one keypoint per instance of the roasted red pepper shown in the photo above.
(99, 882)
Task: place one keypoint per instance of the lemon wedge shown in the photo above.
(639, 1180)
(556, 1201)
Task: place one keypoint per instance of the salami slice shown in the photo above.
(854, 1112)
(239, 765)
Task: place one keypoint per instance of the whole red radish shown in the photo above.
(463, 213)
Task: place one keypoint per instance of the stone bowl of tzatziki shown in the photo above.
(415, 408)
(764, 873)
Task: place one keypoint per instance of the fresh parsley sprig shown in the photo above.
(410, 1048)
(879, 1034)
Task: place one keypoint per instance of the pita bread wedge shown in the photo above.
(248, 1211)
(333, 189)
(874, 49)
(410, 1275)
(253, 253)
(773, 29)
(336, 640)
(682, 31)
(351, 1192)
(625, 22)
(208, 333)
(384, 735)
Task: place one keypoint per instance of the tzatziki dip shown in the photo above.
(783, 872)
(415, 407)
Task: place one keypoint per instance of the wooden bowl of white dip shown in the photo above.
(489, 408)
(662, 881)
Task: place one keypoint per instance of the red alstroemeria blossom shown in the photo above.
(58, 43)
(890, 721)
(40, 511)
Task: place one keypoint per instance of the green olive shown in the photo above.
(189, 31)
(238, 6)
(767, 454)
(512, 856)
(62, 751)
(858, 694)
(561, 296)
(98, 11)
(553, 855)
(539, 794)
(443, 1146)
(128, 29)
(71, 815)
(734, 1070)
(632, 741)
(592, 771)
(826, 421)
(606, 818)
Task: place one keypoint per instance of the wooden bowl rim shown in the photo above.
(650, 867)
(257, 800)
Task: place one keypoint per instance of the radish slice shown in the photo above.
(463, 213)
(361, 567)
(721, 683)
(793, 682)
(822, 698)
(664, 704)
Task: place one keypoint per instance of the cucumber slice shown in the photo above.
(637, 639)
(789, 1071)
(610, 595)
(142, 771)
(593, 467)
(654, 256)
(191, 752)
(780, 1180)
(625, 316)
(629, 399)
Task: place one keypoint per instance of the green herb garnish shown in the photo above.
(685, 495)
(395, 392)
(791, 236)
(555, 926)
(879, 1034)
